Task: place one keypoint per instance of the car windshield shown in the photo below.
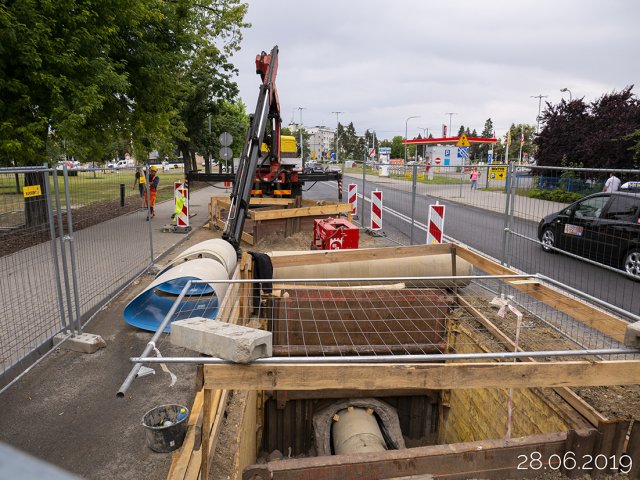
(591, 207)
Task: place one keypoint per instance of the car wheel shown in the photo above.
(548, 240)
(631, 263)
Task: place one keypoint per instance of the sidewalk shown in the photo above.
(65, 410)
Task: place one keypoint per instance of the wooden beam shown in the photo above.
(339, 256)
(437, 376)
(246, 237)
(302, 212)
(272, 201)
(592, 317)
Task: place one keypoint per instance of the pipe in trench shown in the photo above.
(356, 430)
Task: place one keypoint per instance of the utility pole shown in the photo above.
(451, 114)
(425, 135)
(406, 133)
(337, 124)
(539, 97)
(301, 141)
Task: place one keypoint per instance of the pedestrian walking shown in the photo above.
(154, 181)
(612, 184)
(474, 178)
(140, 180)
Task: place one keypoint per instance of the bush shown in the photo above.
(561, 196)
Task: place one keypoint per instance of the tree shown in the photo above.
(397, 149)
(598, 135)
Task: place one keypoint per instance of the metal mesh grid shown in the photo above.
(407, 317)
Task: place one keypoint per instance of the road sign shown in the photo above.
(497, 173)
(226, 153)
(437, 161)
(436, 224)
(463, 141)
(447, 152)
(181, 199)
(463, 152)
(385, 150)
(333, 155)
(31, 191)
(371, 153)
(489, 157)
(225, 139)
(353, 198)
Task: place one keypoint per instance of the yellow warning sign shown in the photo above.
(31, 191)
(497, 173)
(463, 141)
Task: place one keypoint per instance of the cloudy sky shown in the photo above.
(380, 62)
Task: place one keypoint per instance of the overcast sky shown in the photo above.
(380, 62)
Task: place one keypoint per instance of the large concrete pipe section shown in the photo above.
(356, 430)
(419, 266)
(215, 249)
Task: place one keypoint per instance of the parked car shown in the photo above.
(121, 164)
(603, 227)
(313, 167)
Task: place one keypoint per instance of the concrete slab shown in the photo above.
(82, 343)
(235, 343)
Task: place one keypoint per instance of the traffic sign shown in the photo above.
(463, 152)
(497, 173)
(225, 139)
(371, 153)
(333, 155)
(226, 153)
(438, 160)
(463, 141)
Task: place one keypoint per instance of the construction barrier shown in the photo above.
(181, 196)
(436, 224)
(376, 210)
(353, 197)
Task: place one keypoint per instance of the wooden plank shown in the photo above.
(247, 448)
(339, 256)
(483, 459)
(438, 376)
(575, 308)
(633, 450)
(180, 459)
(246, 237)
(206, 427)
(580, 405)
(271, 201)
(581, 444)
(302, 212)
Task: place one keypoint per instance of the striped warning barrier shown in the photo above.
(181, 196)
(435, 231)
(376, 210)
(352, 194)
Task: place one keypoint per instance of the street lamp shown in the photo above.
(301, 141)
(337, 140)
(451, 114)
(539, 97)
(567, 90)
(425, 135)
(405, 136)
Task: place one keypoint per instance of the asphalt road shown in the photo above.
(483, 230)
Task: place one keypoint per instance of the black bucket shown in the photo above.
(166, 426)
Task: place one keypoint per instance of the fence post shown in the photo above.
(63, 252)
(413, 199)
(54, 249)
(506, 216)
(512, 203)
(72, 250)
(364, 190)
(147, 193)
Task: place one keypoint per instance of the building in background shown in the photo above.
(322, 141)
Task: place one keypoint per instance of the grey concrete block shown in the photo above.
(220, 339)
(632, 335)
(83, 343)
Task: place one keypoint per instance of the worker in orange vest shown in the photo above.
(154, 180)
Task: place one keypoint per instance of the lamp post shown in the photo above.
(301, 141)
(539, 97)
(567, 90)
(406, 124)
(425, 135)
(451, 114)
(337, 140)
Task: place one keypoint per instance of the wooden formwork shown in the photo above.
(488, 459)
(277, 215)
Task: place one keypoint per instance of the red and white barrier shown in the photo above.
(181, 193)
(352, 195)
(376, 210)
(435, 230)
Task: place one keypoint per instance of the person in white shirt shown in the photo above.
(612, 184)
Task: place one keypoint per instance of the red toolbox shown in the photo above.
(334, 234)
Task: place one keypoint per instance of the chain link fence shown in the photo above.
(497, 209)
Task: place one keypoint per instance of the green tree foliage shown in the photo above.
(397, 149)
(76, 75)
(598, 135)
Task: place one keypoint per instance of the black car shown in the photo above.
(603, 227)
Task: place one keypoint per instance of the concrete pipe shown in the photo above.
(418, 266)
(356, 430)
